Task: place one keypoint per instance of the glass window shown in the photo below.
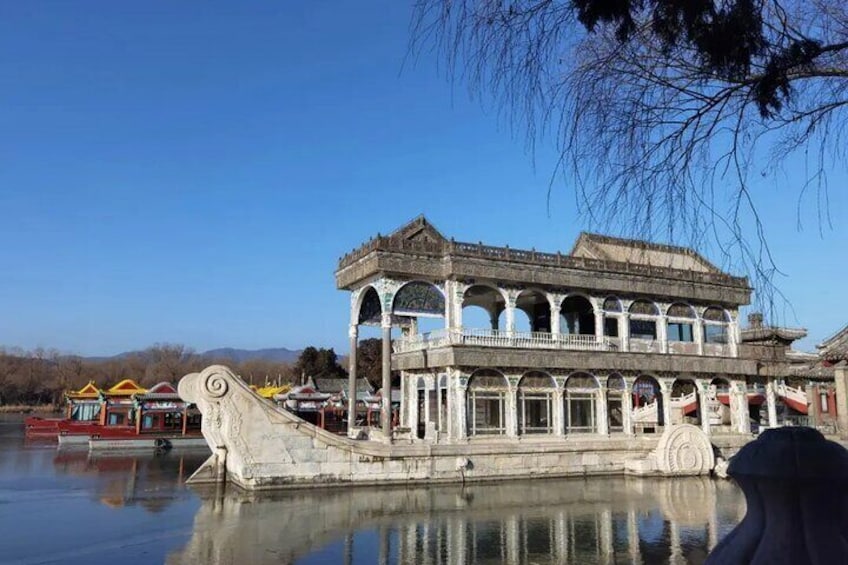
(487, 412)
(680, 332)
(579, 409)
(643, 329)
(116, 419)
(715, 333)
(535, 413)
(611, 326)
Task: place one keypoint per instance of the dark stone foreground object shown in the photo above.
(795, 484)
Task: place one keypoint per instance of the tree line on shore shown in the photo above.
(42, 376)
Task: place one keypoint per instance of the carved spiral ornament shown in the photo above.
(685, 450)
(215, 385)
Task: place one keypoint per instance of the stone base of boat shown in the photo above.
(74, 440)
(259, 446)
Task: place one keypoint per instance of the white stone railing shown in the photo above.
(646, 413)
(500, 338)
(685, 400)
(792, 393)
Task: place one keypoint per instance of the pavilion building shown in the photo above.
(625, 337)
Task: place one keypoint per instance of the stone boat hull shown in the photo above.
(257, 445)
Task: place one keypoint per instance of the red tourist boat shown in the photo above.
(124, 416)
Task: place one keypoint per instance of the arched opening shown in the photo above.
(643, 324)
(616, 389)
(685, 403)
(578, 316)
(580, 401)
(719, 409)
(538, 310)
(716, 321)
(647, 405)
(482, 307)
(487, 391)
(612, 311)
(370, 308)
(420, 307)
(535, 403)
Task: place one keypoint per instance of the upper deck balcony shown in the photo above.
(485, 337)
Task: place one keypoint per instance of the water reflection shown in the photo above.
(597, 520)
(152, 481)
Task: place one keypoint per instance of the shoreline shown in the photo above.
(28, 409)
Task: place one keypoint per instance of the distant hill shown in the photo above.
(275, 354)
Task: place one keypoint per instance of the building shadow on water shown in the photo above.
(597, 520)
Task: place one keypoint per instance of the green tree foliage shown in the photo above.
(314, 362)
(369, 360)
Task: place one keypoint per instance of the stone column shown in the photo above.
(603, 416)
(449, 415)
(493, 320)
(841, 381)
(599, 325)
(404, 405)
(665, 389)
(814, 402)
(771, 403)
(386, 412)
(428, 409)
(512, 408)
(461, 407)
(662, 333)
(413, 416)
(698, 330)
(733, 337)
(557, 411)
(627, 406)
(704, 405)
(556, 329)
(510, 315)
(739, 419)
(624, 330)
(353, 334)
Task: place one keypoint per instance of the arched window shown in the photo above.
(681, 319)
(616, 390)
(643, 324)
(579, 404)
(647, 404)
(535, 395)
(715, 325)
(487, 390)
(418, 298)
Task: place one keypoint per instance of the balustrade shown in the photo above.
(499, 338)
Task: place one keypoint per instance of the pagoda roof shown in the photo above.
(835, 348)
(608, 248)
(90, 390)
(126, 387)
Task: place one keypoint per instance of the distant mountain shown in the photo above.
(275, 354)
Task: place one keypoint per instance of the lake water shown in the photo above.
(69, 507)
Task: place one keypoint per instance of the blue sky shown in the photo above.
(191, 172)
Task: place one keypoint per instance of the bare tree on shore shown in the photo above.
(664, 112)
